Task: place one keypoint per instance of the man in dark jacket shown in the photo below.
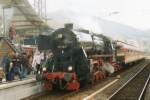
(24, 63)
(16, 67)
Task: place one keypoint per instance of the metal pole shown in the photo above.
(39, 7)
(4, 31)
(34, 4)
(45, 12)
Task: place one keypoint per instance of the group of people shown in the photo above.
(16, 65)
(20, 65)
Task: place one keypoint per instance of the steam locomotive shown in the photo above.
(78, 57)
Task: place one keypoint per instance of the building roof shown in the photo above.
(24, 16)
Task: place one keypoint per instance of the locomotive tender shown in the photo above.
(77, 58)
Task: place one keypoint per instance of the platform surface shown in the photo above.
(19, 89)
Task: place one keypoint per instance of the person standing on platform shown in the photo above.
(16, 66)
(24, 63)
(2, 75)
(5, 64)
(12, 32)
(36, 64)
(30, 60)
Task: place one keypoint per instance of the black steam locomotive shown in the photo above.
(77, 57)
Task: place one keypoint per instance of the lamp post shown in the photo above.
(3, 21)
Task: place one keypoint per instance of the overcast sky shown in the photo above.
(135, 13)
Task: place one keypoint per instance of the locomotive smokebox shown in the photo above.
(69, 26)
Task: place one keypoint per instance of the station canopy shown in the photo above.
(22, 16)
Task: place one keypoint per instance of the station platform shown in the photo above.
(17, 90)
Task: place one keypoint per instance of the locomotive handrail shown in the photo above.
(125, 43)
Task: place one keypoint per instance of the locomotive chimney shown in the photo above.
(69, 26)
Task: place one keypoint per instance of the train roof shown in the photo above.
(128, 46)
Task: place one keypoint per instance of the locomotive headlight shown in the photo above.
(44, 68)
(70, 68)
(59, 36)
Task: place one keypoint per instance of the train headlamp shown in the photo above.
(70, 68)
(59, 36)
(44, 68)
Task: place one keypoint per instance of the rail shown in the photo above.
(134, 88)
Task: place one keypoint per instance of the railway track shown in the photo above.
(135, 87)
(59, 95)
(56, 95)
